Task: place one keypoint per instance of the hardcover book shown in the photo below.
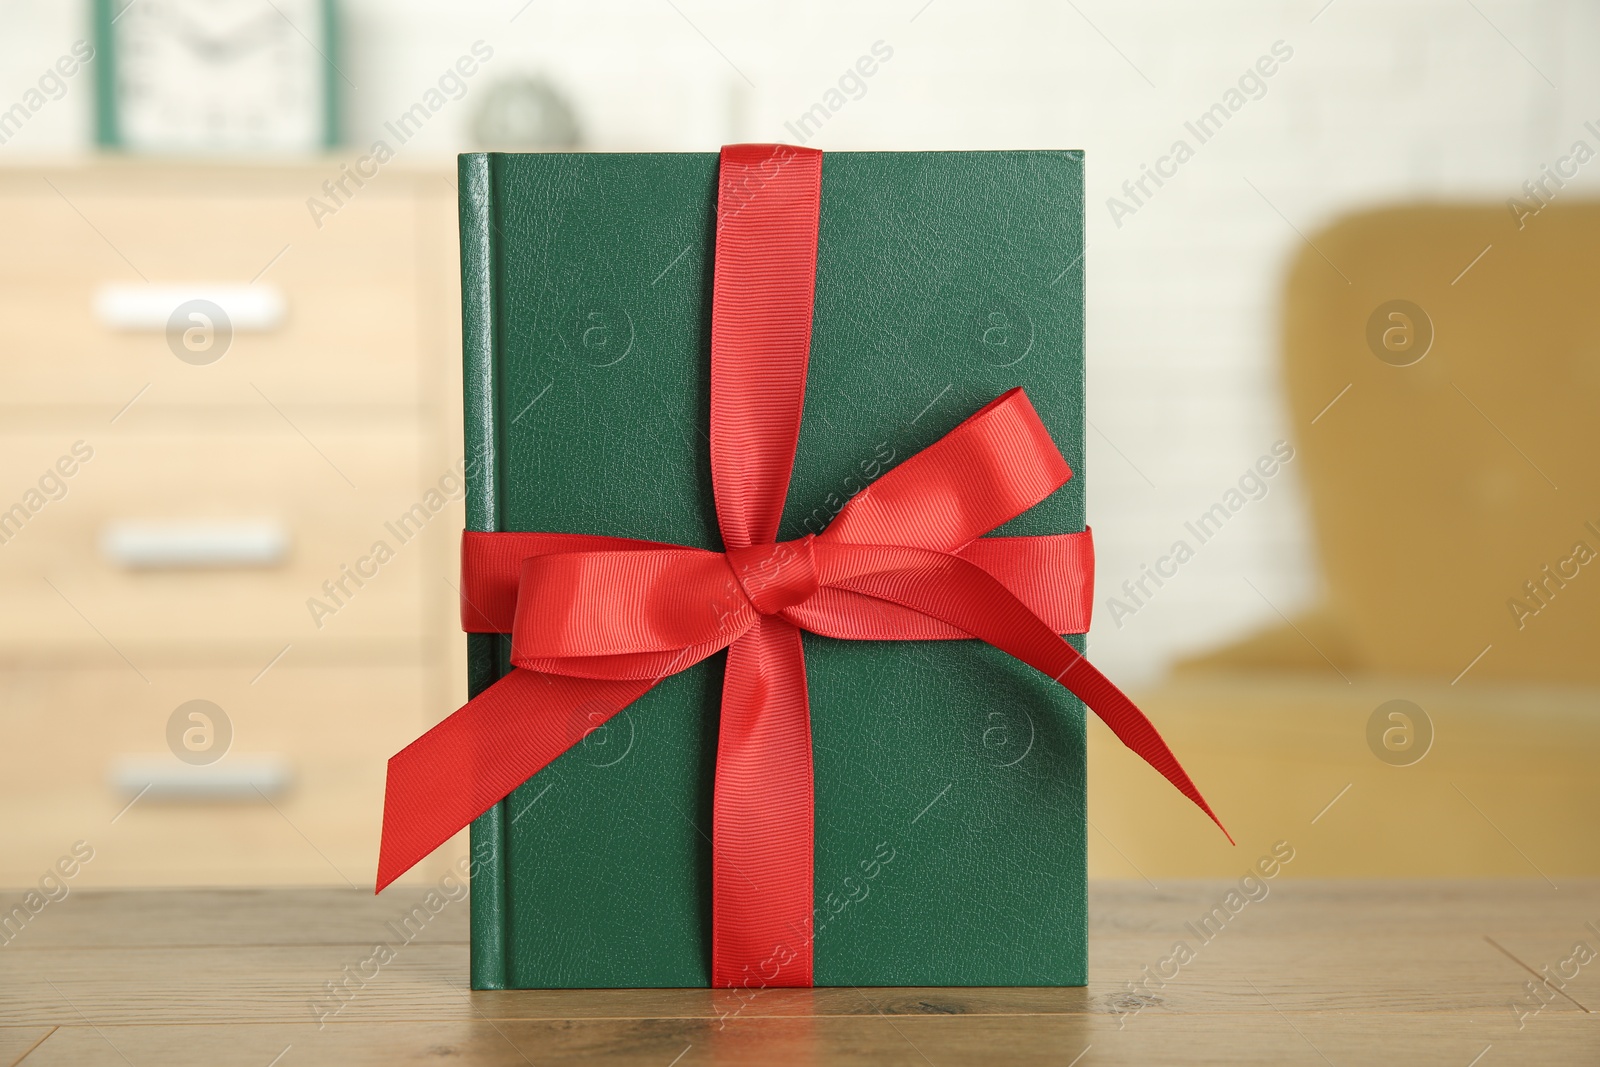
(949, 778)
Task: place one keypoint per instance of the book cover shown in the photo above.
(950, 779)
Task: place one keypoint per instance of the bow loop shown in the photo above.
(995, 465)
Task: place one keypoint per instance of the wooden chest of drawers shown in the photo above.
(218, 535)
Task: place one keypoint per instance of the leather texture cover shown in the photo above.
(950, 779)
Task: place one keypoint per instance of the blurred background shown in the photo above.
(1343, 363)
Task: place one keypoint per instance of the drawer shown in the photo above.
(334, 727)
(73, 596)
(354, 292)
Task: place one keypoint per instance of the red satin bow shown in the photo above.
(596, 621)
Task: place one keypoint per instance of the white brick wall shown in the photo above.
(1381, 100)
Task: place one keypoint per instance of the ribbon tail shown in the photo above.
(469, 762)
(1132, 727)
(964, 595)
(763, 817)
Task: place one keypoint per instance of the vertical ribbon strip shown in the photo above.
(768, 208)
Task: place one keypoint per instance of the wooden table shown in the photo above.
(1317, 972)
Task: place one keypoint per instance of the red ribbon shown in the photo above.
(596, 621)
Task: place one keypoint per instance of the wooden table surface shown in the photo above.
(1317, 972)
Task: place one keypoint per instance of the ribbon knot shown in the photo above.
(776, 576)
(596, 621)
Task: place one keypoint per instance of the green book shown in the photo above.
(950, 807)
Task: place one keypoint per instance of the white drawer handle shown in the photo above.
(160, 777)
(125, 306)
(183, 544)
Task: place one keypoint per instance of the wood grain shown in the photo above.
(1319, 972)
(1261, 1038)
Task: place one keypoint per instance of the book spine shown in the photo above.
(1074, 290)
(484, 655)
